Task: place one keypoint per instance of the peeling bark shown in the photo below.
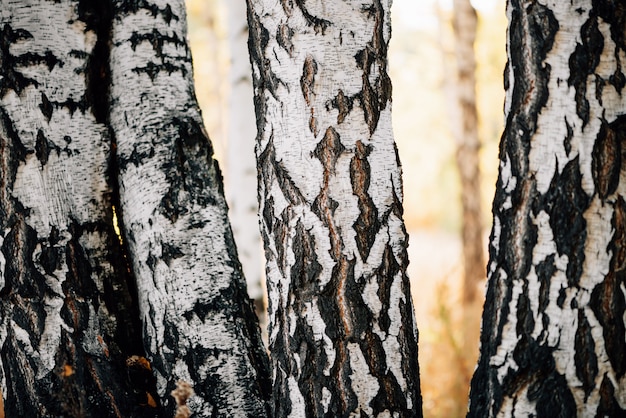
(343, 338)
(199, 325)
(552, 340)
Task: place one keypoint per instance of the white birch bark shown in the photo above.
(199, 325)
(343, 339)
(66, 325)
(241, 191)
(553, 342)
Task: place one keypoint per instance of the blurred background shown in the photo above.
(426, 60)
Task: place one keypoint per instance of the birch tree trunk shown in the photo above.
(468, 146)
(199, 325)
(342, 337)
(553, 327)
(67, 317)
(242, 173)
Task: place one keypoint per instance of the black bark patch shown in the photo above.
(367, 224)
(552, 396)
(343, 104)
(311, 378)
(546, 386)
(359, 315)
(12, 78)
(138, 156)
(408, 343)
(617, 79)
(566, 202)
(585, 357)
(385, 276)
(46, 107)
(20, 274)
(583, 62)
(375, 95)
(190, 170)
(319, 24)
(42, 148)
(170, 252)
(78, 287)
(128, 7)
(98, 15)
(545, 271)
(48, 59)
(266, 79)
(390, 396)
(51, 258)
(567, 142)
(273, 170)
(525, 319)
(613, 13)
(306, 269)
(367, 97)
(157, 40)
(152, 69)
(607, 299)
(606, 160)
(608, 407)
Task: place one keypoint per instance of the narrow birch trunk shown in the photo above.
(342, 337)
(242, 173)
(553, 327)
(464, 22)
(67, 323)
(468, 146)
(199, 325)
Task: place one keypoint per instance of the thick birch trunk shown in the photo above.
(199, 325)
(242, 173)
(343, 338)
(67, 324)
(553, 327)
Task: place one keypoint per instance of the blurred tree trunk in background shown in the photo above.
(552, 342)
(343, 338)
(92, 94)
(242, 173)
(464, 22)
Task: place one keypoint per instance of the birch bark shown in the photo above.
(342, 337)
(553, 327)
(199, 325)
(242, 173)
(67, 324)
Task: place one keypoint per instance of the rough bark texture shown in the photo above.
(241, 191)
(468, 146)
(553, 327)
(198, 323)
(343, 338)
(67, 322)
(78, 81)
